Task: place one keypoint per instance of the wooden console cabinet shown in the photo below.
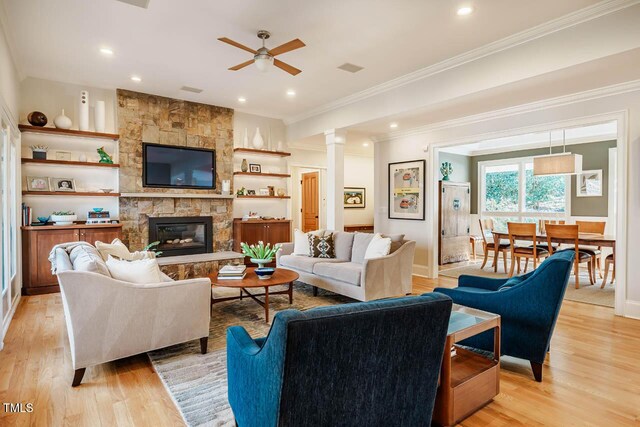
(269, 231)
(38, 241)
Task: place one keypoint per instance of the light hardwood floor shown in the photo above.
(591, 377)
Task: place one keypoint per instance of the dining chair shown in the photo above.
(595, 227)
(607, 263)
(542, 228)
(559, 233)
(487, 247)
(524, 231)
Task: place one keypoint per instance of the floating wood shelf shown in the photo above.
(71, 163)
(70, 132)
(69, 193)
(261, 152)
(179, 195)
(275, 175)
(263, 197)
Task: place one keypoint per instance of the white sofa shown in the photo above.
(108, 319)
(349, 273)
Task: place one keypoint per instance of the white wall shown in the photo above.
(9, 80)
(51, 97)
(557, 116)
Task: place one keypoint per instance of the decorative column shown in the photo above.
(335, 140)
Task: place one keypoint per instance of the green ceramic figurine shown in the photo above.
(446, 169)
(104, 157)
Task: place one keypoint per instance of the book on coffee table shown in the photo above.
(231, 277)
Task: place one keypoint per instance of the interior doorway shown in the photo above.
(309, 192)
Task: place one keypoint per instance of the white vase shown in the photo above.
(62, 121)
(258, 142)
(82, 157)
(83, 113)
(280, 146)
(99, 116)
(245, 141)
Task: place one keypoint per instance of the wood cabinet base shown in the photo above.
(40, 290)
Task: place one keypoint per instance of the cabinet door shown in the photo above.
(252, 233)
(454, 222)
(41, 244)
(103, 234)
(278, 232)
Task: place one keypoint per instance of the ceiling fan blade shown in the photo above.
(240, 66)
(286, 67)
(236, 44)
(287, 47)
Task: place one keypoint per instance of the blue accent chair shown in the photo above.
(371, 364)
(528, 304)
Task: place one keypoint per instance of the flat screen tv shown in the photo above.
(167, 166)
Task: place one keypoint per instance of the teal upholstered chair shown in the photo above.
(371, 364)
(528, 304)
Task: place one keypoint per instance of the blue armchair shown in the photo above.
(373, 363)
(528, 304)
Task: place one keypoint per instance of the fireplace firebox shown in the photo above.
(185, 235)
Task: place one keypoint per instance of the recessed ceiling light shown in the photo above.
(291, 92)
(393, 125)
(242, 99)
(465, 10)
(136, 79)
(365, 144)
(106, 51)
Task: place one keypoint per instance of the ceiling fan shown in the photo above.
(264, 57)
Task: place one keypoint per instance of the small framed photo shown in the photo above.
(38, 183)
(589, 183)
(355, 197)
(251, 192)
(62, 184)
(263, 192)
(255, 168)
(63, 155)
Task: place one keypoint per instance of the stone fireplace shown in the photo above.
(186, 235)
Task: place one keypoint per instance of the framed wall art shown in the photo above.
(589, 183)
(355, 197)
(406, 190)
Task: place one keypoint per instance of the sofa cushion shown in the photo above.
(301, 241)
(343, 244)
(397, 240)
(87, 258)
(360, 244)
(321, 246)
(349, 272)
(141, 271)
(303, 263)
(378, 247)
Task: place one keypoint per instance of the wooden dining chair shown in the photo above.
(559, 233)
(489, 247)
(542, 228)
(607, 264)
(524, 231)
(595, 227)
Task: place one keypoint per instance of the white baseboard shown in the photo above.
(421, 271)
(632, 309)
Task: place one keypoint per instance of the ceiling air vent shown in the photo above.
(351, 68)
(191, 89)
(140, 3)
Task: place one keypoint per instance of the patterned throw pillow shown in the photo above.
(321, 246)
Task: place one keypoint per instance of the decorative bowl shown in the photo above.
(97, 209)
(63, 219)
(43, 219)
(265, 272)
(261, 262)
(107, 190)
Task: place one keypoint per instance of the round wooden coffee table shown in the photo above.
(281, 276)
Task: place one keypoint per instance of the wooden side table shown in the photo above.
(468, 380)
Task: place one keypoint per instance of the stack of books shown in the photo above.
(27, 215)
(232, 272)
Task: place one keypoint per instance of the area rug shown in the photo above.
(196, 382)
(589, 294)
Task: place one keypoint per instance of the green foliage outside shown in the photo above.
(543, 193)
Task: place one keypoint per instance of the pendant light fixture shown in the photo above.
(557, 164)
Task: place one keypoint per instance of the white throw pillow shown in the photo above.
(378, 247)
(141, 271)
(301, 241)
(119, 250)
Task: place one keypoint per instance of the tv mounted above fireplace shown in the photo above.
(166, 166)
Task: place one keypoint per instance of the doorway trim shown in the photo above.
(622, 146)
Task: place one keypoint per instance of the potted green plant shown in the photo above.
(260, 254)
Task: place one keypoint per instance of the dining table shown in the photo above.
(584, 239)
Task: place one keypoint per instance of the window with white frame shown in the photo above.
(510, 192)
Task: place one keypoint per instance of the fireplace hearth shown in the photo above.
(186, 235)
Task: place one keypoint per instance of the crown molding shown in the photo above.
(347, 149)
(575, 18)
(588, 95)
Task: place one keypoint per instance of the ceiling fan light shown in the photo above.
(263, 62)
(557, 164)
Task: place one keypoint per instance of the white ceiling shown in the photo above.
(173, 43)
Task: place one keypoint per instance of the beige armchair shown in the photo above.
(108, 319)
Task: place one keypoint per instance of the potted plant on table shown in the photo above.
(260, 254)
